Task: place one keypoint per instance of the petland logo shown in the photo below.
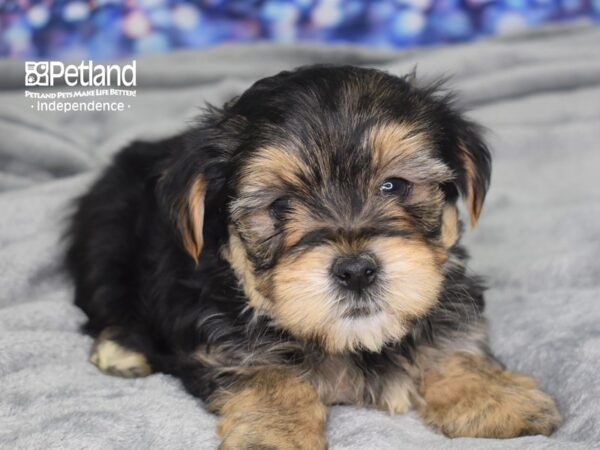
(86, 74)
(65, 85)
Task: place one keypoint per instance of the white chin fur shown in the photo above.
(369, 332)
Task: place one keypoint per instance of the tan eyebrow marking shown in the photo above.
(271, 166)
(407, 148)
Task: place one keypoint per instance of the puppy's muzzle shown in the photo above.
(355, 272)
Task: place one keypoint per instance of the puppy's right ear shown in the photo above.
(181, 193)
(195, 174)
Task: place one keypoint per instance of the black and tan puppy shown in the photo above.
(299, 248)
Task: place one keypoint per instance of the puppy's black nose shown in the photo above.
(354, 272)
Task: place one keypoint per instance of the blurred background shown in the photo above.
(104, 29)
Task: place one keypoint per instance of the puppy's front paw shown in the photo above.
(269, 432)
(274, 410)
(260, 427)
(470, 397)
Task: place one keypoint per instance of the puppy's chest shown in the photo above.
(338, 380)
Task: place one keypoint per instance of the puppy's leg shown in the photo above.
(473, 396)
(111, 355)
(274, 409)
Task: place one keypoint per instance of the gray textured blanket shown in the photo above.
(538, 241)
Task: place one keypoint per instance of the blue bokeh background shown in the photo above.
(103, 29)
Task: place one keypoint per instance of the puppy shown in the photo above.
(300, 248)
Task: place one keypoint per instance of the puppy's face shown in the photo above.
(344, 184)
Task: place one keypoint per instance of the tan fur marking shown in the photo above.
(273, 409)
(470, 396)
(191, 218)
(389, 140)
(449, 226)
(404, 150)
(235, 254)
(413, 278)
(474, 201)
(270, 167)
(304, 307)
(113, 359)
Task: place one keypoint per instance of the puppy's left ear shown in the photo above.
(475, 166)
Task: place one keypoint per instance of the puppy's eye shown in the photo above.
(396, 186)
(280, 207)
